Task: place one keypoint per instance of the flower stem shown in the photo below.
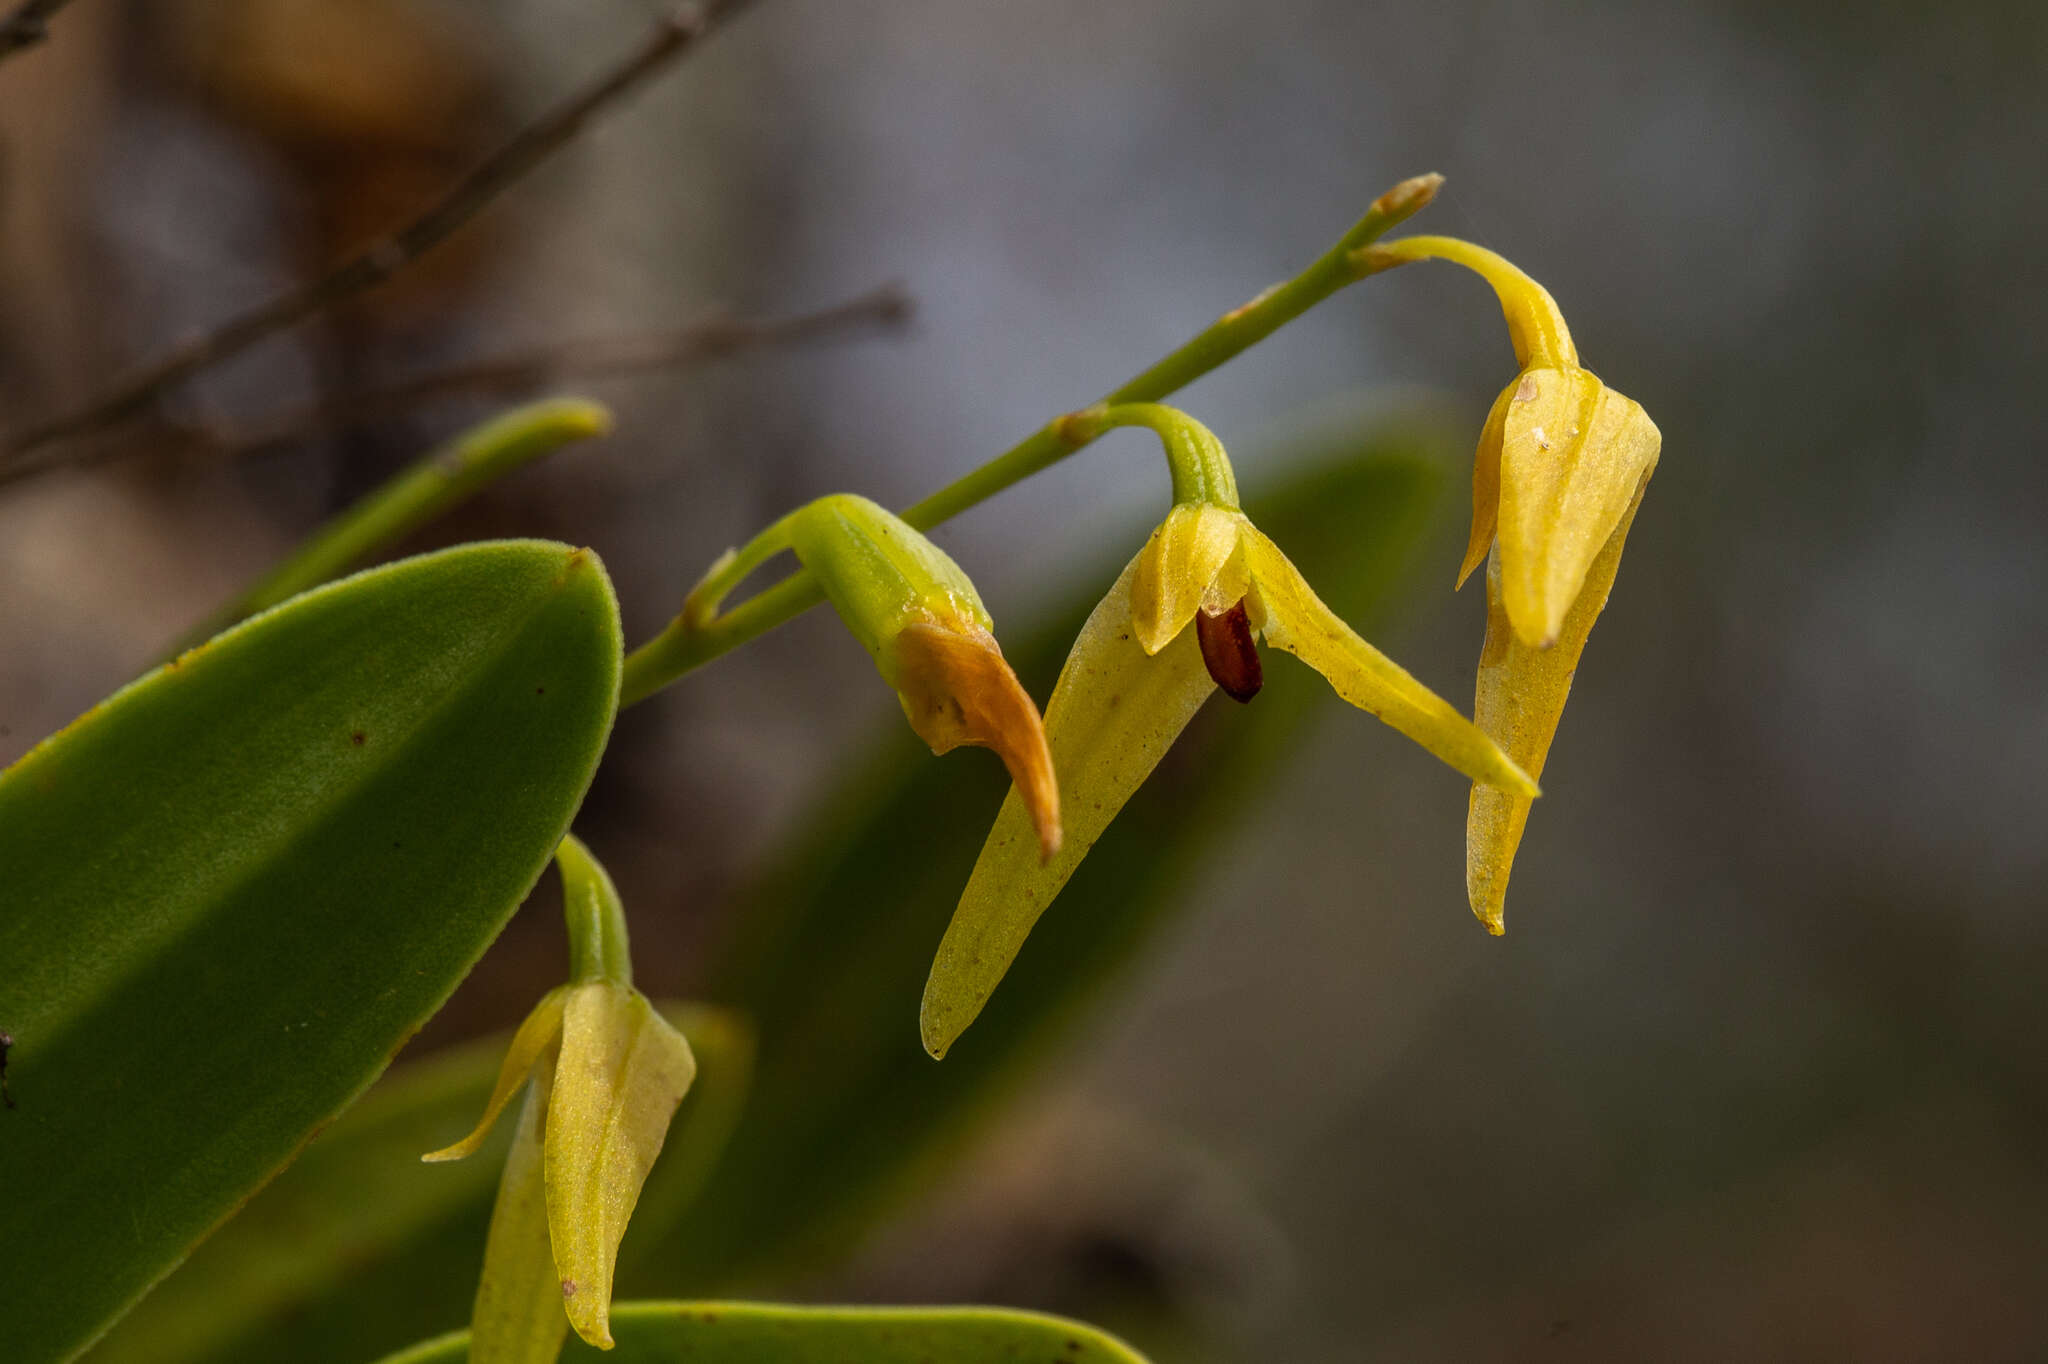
(594, 917)
(1201, 471)
(687, 644)
(1535, 324)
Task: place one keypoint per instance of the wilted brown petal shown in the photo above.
(958, 689)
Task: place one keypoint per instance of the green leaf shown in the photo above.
(831, 955)
(234, 889)
(359, 1247)
(751, 1333)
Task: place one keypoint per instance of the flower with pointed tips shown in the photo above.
(1561, 468)
(1137, 675)
(604, 1074)
(922, 622)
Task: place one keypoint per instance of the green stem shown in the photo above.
(1201, 471)
(594, 917)
(730, 569)
(1535, 325)
(687, 644)
(440, 480)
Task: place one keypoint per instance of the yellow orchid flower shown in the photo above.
(921, 620)
(604, 1074)
(1138, 674)
(1560, 457)
(1561, 468)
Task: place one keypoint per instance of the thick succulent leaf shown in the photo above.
(236, 887)
(1298, 621)
(1572, 454)
(754, 1333)
(1114, 712)
(848, 1111)
(623, 1071)
(1521, 695)
(398, 1244)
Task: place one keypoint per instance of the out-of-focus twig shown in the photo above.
(29, 449)
(711, 338)
(27, 25)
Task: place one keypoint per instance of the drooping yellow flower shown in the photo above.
(1560, 457)
(921, 620)
(604, 1074)
(1138, 674)
(1561, 468)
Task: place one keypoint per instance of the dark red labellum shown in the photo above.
(1230, 653)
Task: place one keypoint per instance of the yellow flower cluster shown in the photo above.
(1560, 470)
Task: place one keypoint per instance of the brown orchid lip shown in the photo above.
(1229, 652)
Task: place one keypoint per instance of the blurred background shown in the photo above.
(1758, 1071)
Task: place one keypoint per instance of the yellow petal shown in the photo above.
(1114, 713)
(1186, 562)
(1572, 454)
(1299, 622)
(1521, 695)
(623, 1070)
(957, 689)
(518, 1314)
(535, 1036)
(1486, 484)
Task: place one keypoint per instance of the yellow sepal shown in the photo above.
(1298, 621)
(1521, 694)
(537, 1034)
(1572, 453)
(1486, 487)
(517, 1318)
(623, 1070)
(1114, 712)
(1190, 563)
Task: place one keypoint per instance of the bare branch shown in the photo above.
(671, 37)
(27, 25)
(712, 338)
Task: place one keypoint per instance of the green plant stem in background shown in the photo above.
(686, 645)
(440, 480)
(752, 1333)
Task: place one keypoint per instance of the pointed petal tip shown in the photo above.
(933, 1034)
(1153, 634)
(1536, 625)
(592, 1328)
(944, 1014)
(1493, 926)
(1518, 783)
